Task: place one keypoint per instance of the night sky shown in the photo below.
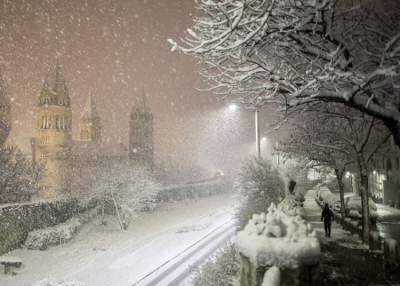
(113, 48)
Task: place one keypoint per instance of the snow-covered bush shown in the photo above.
(55, 282)
(222, 269)
(41, 239)
(292, 207)
(259, 185)
(278, 239)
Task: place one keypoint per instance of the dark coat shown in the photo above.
(327, 215)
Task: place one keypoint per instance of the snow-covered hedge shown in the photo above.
(17, 220)
(55, 282)
(193, 191)
(278, 239)
(41, 239)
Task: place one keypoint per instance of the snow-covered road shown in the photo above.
(176, 270)
(169, 240)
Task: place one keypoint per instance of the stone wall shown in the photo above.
(16, 221)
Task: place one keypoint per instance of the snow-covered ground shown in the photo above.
(107, 256)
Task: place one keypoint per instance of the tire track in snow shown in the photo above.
(220, 231)
(187, 272)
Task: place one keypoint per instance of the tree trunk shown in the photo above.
(364, 197)
(339, 178)
(117, 210)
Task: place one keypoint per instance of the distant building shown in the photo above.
(68, 161)
(5, 114)
(141, 141)
(54, 133)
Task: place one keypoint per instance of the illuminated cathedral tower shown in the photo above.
(5, 114)
(53, 140)
(89, 128)
(141, 142)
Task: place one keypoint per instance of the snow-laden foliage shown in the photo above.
(19, 177)
(292, 206)
(278, 239)
(292, 53)
(259, 185)
(272, 277)
(347, 136)
(56, 282)
(296, 169)
(41, 239)
(222, 269)
(129, 189)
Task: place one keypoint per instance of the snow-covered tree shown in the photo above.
(293, 53)
(294, 171)
(259, 185)
(299, 145)
(19, 177)
(355, 135)
(129, 189)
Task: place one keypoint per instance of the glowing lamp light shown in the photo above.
(347, 174)
(233, 107)
(374, 172)
(264, 139)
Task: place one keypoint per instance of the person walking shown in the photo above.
(327, 217)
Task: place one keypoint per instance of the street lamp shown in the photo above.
(257, 125)
(233, 107)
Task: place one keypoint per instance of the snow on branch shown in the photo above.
(294, 53)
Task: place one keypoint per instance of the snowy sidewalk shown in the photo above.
(344, 259)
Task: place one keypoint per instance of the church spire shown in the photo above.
(90, 109)
(140, 104)
(89, 128)
(55, 90)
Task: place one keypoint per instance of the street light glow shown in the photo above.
(233, 106)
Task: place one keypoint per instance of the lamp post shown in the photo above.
(258, 150)
(257, 125)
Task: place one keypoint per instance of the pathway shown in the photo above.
(344, 259)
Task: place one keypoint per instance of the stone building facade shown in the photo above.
(5, 114)
(71, 161)
(54, 133)
(141, 140)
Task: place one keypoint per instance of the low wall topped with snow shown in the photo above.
(278, 239)
(282, 240)
(17, 220)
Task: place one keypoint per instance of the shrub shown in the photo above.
(259, 185)
(222, 269)
(55, 282)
